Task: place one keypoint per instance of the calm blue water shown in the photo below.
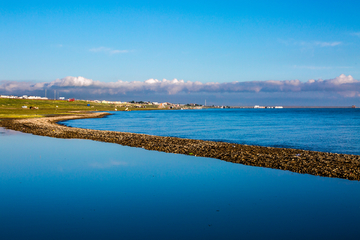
(326, 130)
(80, 189)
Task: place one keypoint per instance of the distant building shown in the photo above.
(33, 97)
(257, 106)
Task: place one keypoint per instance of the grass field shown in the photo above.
(12, 108)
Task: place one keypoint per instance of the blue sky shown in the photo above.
(205, 41)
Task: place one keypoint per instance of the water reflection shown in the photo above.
(79, 189)
(108, 164)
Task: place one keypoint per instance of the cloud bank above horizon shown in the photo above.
(339, 87)
(342, 84)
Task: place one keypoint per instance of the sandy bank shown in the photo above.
(300, 161)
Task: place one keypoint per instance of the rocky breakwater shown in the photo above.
(300, 161)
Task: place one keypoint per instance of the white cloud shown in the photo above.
(72, 82)
(108, 50)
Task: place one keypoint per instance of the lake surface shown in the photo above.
(81, 189)
(326, 130)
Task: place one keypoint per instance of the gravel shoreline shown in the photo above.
(294, 160)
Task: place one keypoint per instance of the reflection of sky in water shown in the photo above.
(78, 189)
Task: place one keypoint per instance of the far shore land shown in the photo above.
(35, 108)
(300, 161)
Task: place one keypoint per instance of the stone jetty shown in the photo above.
(294, 160)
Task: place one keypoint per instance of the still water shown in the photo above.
(80, 189)
(326, 130)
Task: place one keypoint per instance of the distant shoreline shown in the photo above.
(300, 161)
(299, 107)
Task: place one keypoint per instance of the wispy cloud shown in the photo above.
(320, 67)
(108, 50)
(57, 45)
(312, 67)
(327, 44)
(356, 34)
(310, 44)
